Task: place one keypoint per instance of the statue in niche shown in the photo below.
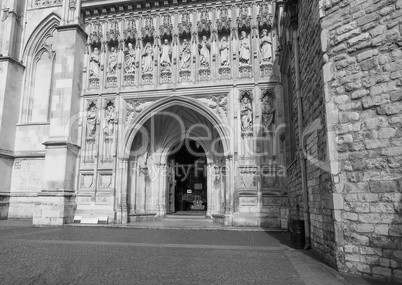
(94, 64)
(224, 52)
(246, 113)
(129, 60)
(147, 59)
(268, 111)
(265, 47)
(91, 120)
(244, 49)
(112, 61)
(109, 119)
(204, 52)
(165, 53)
(185, 55)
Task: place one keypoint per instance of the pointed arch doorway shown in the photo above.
(188, 193)
(152, 187)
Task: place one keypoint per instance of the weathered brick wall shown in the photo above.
(362, 44)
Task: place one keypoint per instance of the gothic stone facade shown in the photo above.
(296, 104)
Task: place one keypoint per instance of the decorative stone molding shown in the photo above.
(41, 3)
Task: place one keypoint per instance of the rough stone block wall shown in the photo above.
(363, 74)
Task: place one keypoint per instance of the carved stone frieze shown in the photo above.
(133, 108)
(47, 2)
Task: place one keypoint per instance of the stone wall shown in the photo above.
(315, 142)
(362, 45)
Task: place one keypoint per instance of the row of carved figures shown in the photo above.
(165, 54)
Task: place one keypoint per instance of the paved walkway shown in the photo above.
(105, 255)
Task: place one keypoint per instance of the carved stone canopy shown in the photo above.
(148, 28)
(130, 32)
(185, 25)
(166, 28)
(265, 16)
(244, 19)
(204, 25)
(223, 23)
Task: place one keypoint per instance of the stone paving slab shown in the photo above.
(106, 255)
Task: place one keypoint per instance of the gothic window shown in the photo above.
(41, 87)
(39, 57)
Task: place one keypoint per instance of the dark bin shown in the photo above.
(297, 234)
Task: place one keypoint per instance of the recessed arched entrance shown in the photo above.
(149, 177)
(188, 186)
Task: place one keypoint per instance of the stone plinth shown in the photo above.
(54, 208)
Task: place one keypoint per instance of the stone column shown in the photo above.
(11, 74)
(56, 202)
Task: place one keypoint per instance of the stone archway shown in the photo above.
(158, 131)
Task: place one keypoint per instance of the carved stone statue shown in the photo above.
(109, 120)
(224, 52)
(94, 64)
(147, 59)
(185, 55)
(246, 113)
(165, 52)
(268, 111)
(112, 62)
(129, 60)
(265, 47)
(244, 49)
(91, 121)
(204, 52)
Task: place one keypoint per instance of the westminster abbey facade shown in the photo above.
(252, 113)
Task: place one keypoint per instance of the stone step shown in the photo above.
(185, 217)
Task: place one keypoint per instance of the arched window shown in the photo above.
(41, 87)
(39, 57)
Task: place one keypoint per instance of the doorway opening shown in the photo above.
(188, 190)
